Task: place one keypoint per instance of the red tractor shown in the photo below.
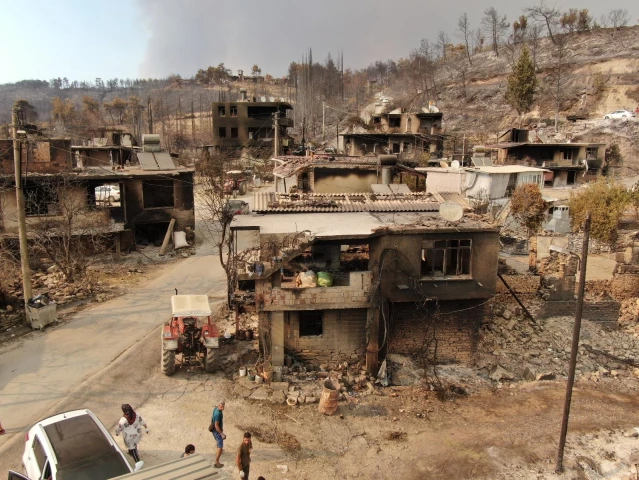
(190, 335)
(235, 183)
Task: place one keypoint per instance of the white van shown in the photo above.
(72, 446)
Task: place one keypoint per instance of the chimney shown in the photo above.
(242, 94)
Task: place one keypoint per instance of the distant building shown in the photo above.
(568, 163)
(412, 136)
(249, 123)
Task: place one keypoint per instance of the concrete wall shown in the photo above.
(454, 334)
(343, 337)
(335, 180)
(404, 267)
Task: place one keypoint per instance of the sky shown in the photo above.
(87, 39)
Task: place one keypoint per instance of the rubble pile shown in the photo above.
(629, 316)
(514, 347)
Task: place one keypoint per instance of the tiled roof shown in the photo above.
(271, 202)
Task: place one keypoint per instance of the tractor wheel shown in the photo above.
(168, 362)
(242, 188)
(208, 361)
(111, 199)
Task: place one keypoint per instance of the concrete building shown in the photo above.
(412, 136)
(495, 182)
(249, 123)
(569, 163)
(150, 194)
(405, 280)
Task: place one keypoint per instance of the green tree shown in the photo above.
(606, 202)
(528, 207)
(522, 84)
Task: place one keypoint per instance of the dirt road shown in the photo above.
(41, 372)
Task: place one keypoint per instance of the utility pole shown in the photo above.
(149, 113)
(575, 344)
(276, 129)
(324, 121)
(22, 225)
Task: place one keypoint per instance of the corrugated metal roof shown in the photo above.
(271, 202)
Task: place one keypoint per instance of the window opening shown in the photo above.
(568, 154)
(446, 258)
(311, 323)
(221, 111)
(222, 132)
(233, 111)
(395, 122)
(233, 132)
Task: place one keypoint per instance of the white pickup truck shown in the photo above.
(77, 446)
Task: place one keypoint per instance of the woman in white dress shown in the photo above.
(131, 427)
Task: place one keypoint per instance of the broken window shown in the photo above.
(158, 194)
(311, 323)
(233, 132)
(377, 120)
(446, 258)
(396, 148)
(395, 122)
(221, 111)
(591, 153)
(233, 111)
(222, 132)
(568, 154)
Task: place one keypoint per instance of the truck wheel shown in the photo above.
(168, 362)
(208, 361)
(111, 199)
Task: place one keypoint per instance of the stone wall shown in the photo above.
(343, 337)
(456, 332)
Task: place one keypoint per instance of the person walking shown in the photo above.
(188, 451)
(217, 429)
(243, 458)
(131, 427)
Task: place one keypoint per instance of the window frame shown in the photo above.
(221, 111)
(233, 111)
(221, 132)
(445, 251)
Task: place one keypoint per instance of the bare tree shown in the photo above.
(533, 39)
(495, 26)
(548, 16)
(556, 82)
(618, 18)
(465, 33)
(443, 40)
(64, 225)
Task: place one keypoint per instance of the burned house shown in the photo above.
(109, 147)
(137, 199)
(569, 163)
(413, 136)
(333, 173)
(398, 278)
(249, 123)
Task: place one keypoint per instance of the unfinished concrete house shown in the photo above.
(354, 277)
(109, 147)
(333, 173)
(134, 200)
(249, 123)
(568, 163)
(414, 136)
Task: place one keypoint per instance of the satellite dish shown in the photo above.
(451, 211)
(455, 164)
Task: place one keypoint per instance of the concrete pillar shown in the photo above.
(277, 338)
(372, 353)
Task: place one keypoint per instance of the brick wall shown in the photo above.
(456, 332)
(355, 295)
(343, 337)
(605, 312)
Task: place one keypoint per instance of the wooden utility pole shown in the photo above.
(276, 129)
(192, 119)
(22, 225)
(149, 113)
(575, 344)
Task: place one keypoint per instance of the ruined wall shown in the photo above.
(343, 337)
(53, 156)
(456, 332)
(402, 264)
(605, 312)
